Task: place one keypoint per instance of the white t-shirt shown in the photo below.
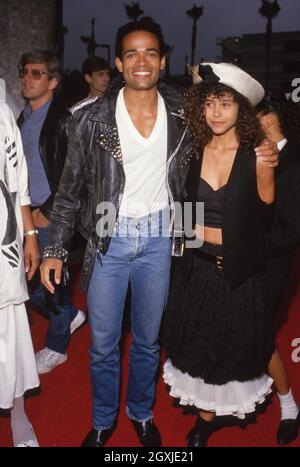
(144, 161)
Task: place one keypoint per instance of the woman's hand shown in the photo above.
(31, 255)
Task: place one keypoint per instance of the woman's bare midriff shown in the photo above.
(209, 234)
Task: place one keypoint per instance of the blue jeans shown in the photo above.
(57, 307)
(143, 261)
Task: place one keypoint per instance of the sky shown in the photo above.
(221, 18)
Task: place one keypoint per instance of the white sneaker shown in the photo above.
(47, 359)
(31, 443)
(28, 444)
(77, 321)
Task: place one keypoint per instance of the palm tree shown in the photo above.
(269, 10)
(195, 14)
(90, 41)
(133, 11)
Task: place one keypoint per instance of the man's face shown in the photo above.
(141, 61)
(36, 84)
(98, 82)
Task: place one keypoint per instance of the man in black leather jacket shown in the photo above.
(43, 129)
(143, 157)
(280, 119)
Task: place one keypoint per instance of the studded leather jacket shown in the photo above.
(94, 173)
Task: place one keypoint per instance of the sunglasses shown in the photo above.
(34, 73)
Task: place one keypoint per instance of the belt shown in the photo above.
(217, 260)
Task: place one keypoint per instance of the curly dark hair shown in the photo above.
(248, 129)
(287, 111)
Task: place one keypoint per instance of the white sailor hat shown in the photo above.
(230, 75)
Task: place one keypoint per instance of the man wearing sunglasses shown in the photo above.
(43, 129)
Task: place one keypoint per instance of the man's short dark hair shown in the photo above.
(144, 24)
(53, 64)
(94, 63)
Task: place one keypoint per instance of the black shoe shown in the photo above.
(288, 430)
(198, 436)
(147, 432)
(96, 438)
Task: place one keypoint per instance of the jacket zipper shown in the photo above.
(100, 243)
(167, 176)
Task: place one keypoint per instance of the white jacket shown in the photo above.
(13, 195)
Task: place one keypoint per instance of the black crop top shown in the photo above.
(213, 200)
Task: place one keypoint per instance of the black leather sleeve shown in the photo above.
(284, 235)
(67, 200)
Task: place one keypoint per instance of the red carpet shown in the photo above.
(61, 413)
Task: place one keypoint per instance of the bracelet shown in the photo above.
(55, 251)
(30, 232)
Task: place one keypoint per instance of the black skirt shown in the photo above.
(212, 331)
(276, 275)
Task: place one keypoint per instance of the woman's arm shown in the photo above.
(265, 181)
(31, 246)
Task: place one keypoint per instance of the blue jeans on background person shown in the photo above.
(58, 307)
(144, 261)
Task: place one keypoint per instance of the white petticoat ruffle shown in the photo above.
(233, 398)
(18, 372)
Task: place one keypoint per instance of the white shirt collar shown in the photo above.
(281, 144)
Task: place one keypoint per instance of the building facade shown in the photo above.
(249, 52)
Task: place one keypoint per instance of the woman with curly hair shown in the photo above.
(217, 329)
(280, 120)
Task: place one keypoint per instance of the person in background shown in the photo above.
(7, 97)
(280, 120)
(96, 73)
(43, 126)
(18, 372)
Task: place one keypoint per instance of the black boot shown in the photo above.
(147, 432)
(288, 430)
(97, 438)
(198, 436)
